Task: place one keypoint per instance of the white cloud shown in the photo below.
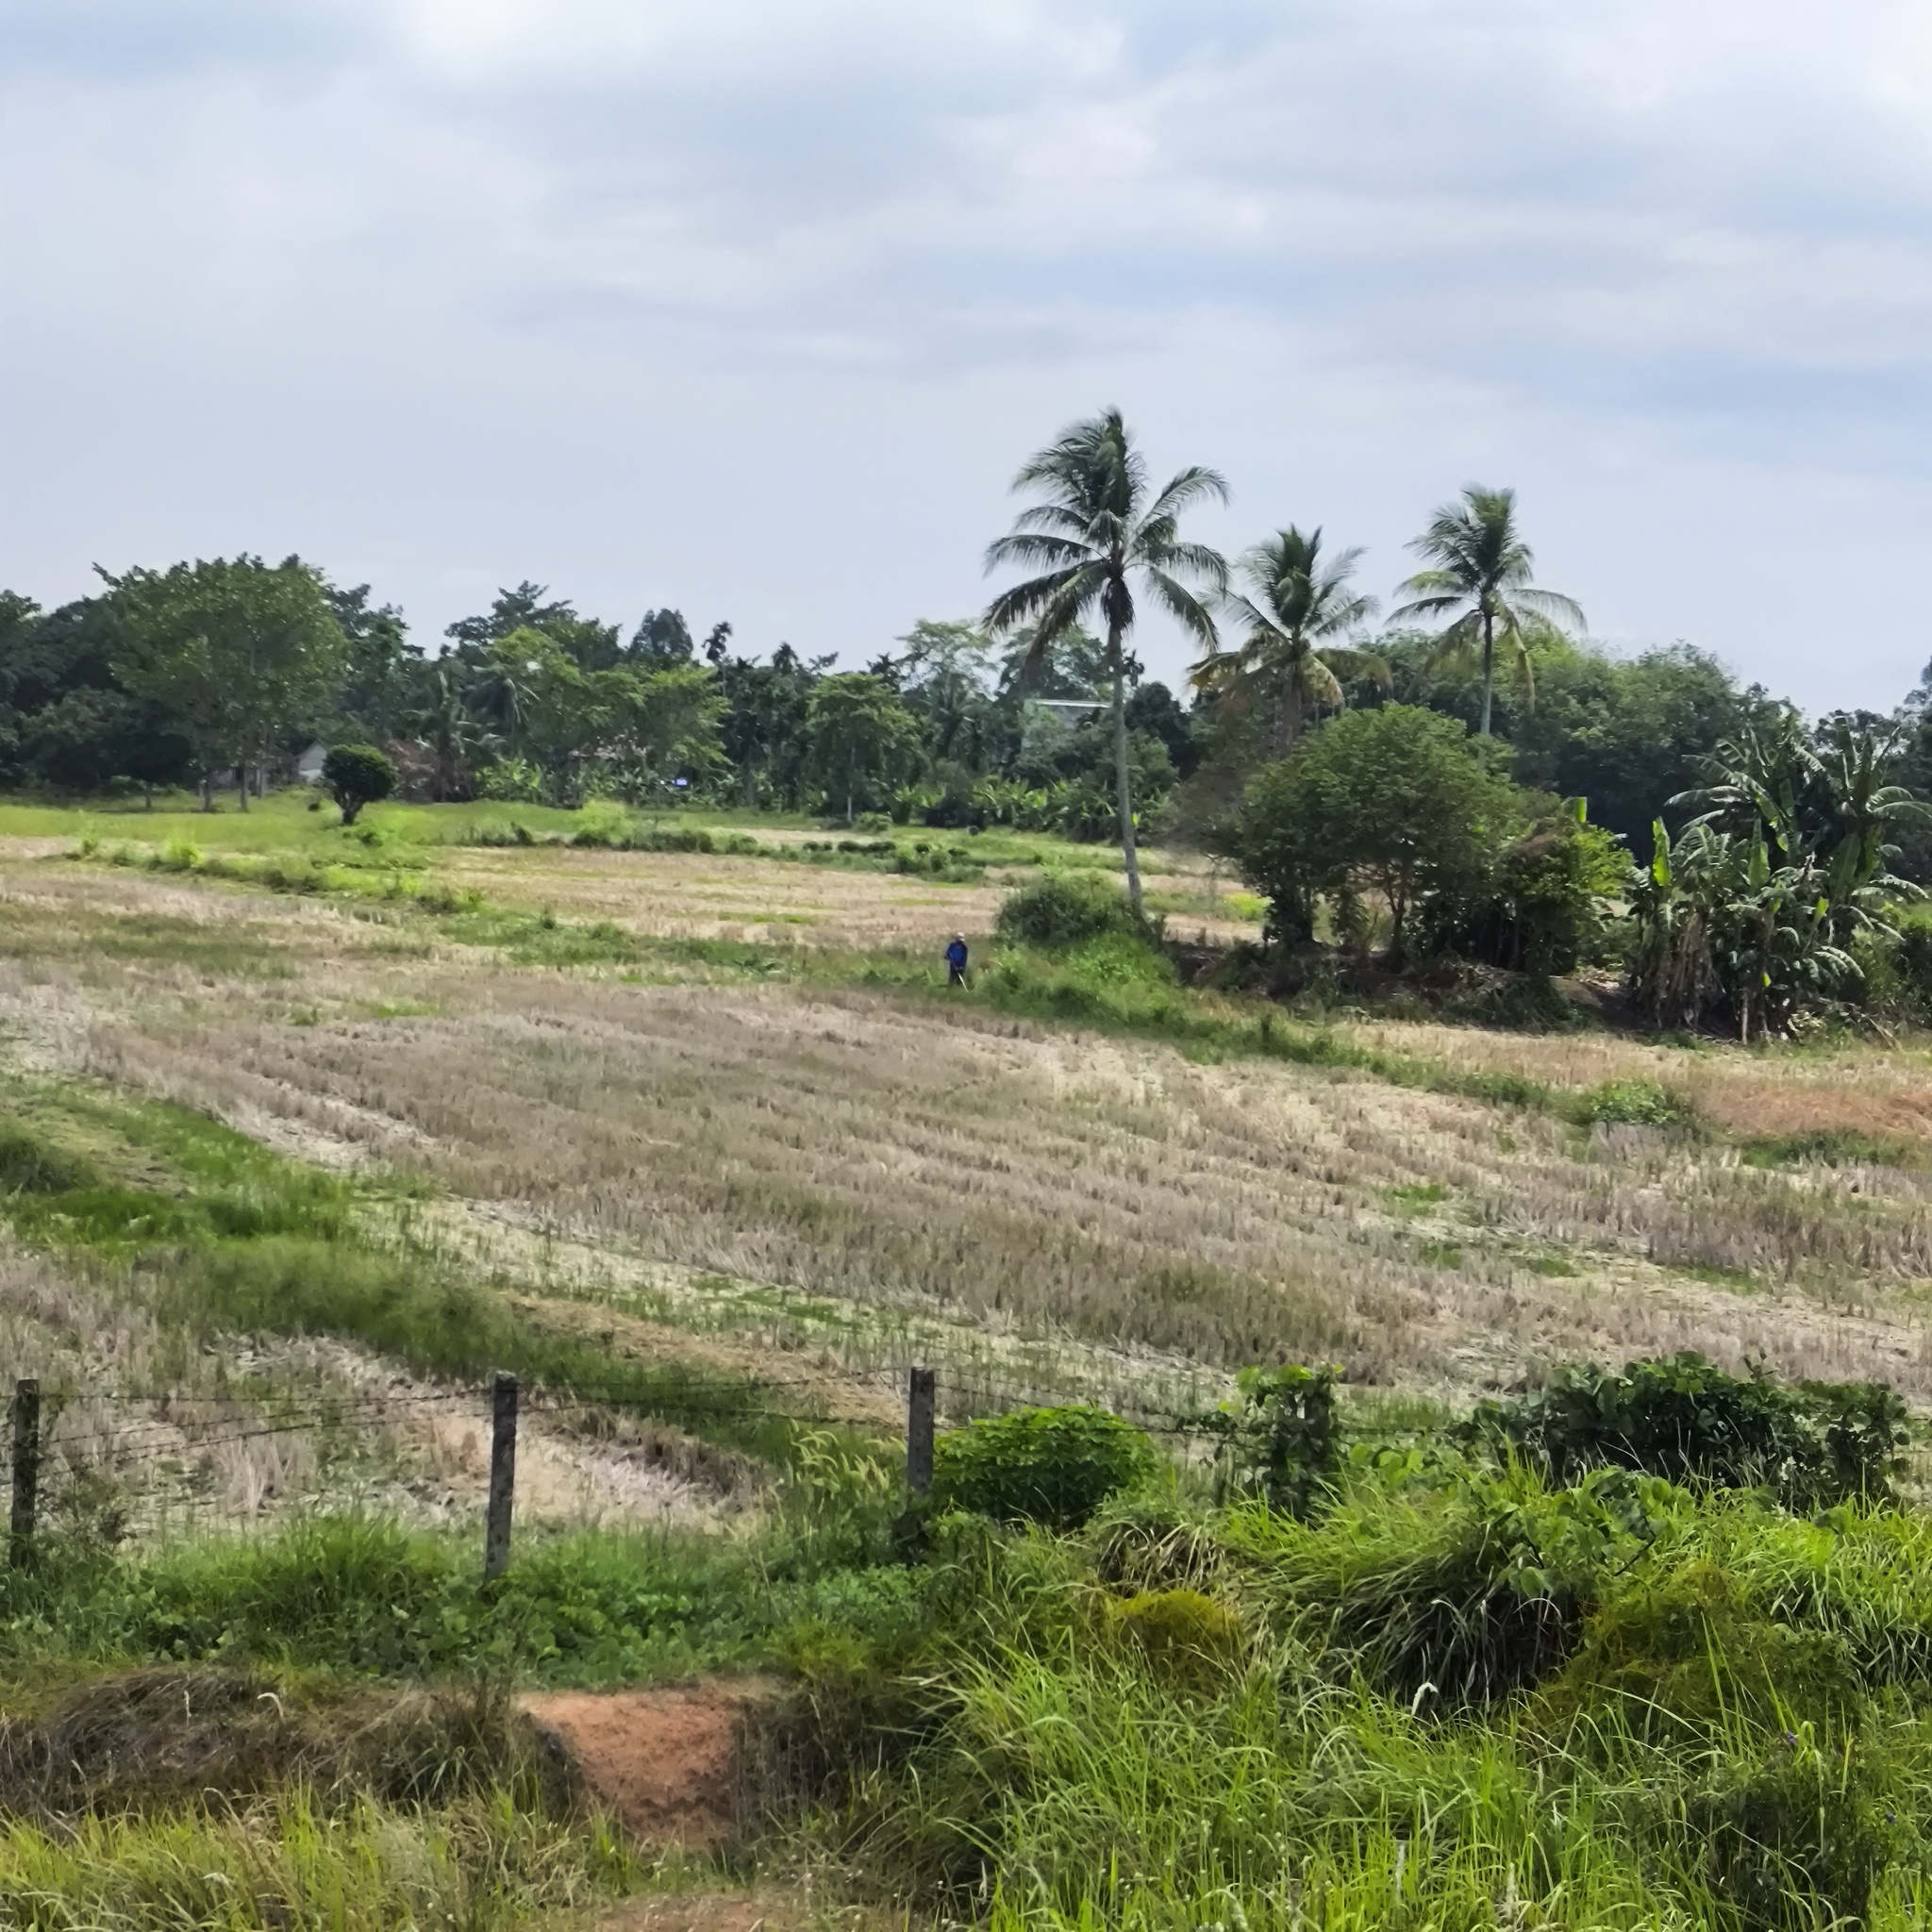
(755, 308)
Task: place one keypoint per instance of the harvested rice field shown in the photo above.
(726, 1159)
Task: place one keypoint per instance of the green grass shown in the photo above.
(411, 834)
(1699, 1714)
(219, 1235)
(493, 1861)
(1826, 1147)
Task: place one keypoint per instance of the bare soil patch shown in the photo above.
(666, 1763)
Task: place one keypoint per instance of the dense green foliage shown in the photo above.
(1282, 1440)
(1817, 1444)
(357, 774)
(1052, 1466)
(1755, 908)
(1066, 908)
(1394, 806)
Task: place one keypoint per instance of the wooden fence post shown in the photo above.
(27, 1468)
(919, 1407)
(503, 1475)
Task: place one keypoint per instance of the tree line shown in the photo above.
(1036, 713)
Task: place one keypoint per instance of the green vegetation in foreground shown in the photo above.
(1438, 1690)
(213, 1233)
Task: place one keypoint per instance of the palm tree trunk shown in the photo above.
(1489, 669)
(1128, 856)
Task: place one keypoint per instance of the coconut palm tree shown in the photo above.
(1097, 528)
(1481, 571)
(1284, 659)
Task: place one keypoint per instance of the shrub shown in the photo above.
(1063, 909)
(1543, 911)
(872, 823)
(357, 774)
(1632, 1103)
(1282, 1444)
(512, 781)
(1052, 1466)
(1685, 1418)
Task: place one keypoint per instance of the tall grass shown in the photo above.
(489, 1862)
(1730, 1732)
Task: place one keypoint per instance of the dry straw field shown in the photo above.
(687, 1157)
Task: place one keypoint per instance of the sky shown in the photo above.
(755, 309)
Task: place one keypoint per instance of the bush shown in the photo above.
(512, 781)
(1052, 1466)
(1544, 910)
(1282, 1444)
(1632, 1104)
(1683, 1418)
(872, 823)
(1065, 910)
(357, 774)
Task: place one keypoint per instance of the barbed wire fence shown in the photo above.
(203, 1423)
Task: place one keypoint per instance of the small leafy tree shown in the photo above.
(1283, 1441)
(357, 774)
(1396, 803)
(862, 738)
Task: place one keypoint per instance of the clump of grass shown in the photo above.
(1827, 1147)
(493, 1862)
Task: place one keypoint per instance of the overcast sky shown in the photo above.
(753, 308)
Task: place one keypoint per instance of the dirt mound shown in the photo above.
(668, 1764)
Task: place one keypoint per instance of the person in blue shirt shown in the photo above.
(955, 960)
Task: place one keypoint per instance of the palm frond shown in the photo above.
(1189, 487)
(1032, 600)
(1182, 606)
(1030, 548)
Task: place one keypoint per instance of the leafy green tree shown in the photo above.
(382, 664)
(1395, 803)
(1479, 575)
(643, 727)
(65, 720)
(357, 774)
(1285, 662)
(240, 652)
(862, 739)
(593, 646)
(764, 731)
(1098, 530)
